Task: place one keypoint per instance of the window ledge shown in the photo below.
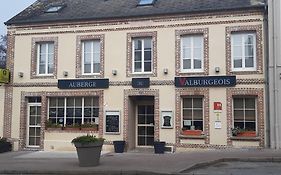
(245, 138)
(142, 75)
(245, 72)
(192, 137)
(43, 77)
(192, 73)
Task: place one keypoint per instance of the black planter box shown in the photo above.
(159, 147)
(5, 147)
(119, 146)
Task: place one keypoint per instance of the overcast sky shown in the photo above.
(10, 8)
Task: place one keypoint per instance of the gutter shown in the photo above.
(267, 89)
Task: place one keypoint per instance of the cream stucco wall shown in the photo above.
(115, 58)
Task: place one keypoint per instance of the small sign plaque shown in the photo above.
(140, 82)
(4, 76)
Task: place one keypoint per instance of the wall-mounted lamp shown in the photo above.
(217, 69)
(114, 72)
(20, 74)
(65, 73)
(165, 71)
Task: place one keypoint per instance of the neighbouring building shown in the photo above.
(274, 67)
(187, 72)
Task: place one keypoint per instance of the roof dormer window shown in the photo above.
(146, 2)
(54, 9)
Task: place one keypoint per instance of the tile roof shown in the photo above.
(83, 10)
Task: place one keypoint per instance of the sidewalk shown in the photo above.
(125, 163)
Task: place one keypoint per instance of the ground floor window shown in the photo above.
(69, 111)
(192, 113)
(244, 113)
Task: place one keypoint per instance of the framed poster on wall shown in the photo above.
(112, 122)
(167, 119)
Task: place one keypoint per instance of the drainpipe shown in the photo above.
(274, 115)
(267, 99)
(276, 88)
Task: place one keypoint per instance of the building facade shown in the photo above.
(193, 77)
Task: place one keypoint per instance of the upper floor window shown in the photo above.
(45, 58)
(192, 51)
(91, 57)
(44, 54)
(142, 55)
(243, 51)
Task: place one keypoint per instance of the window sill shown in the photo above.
(90, 76)
(192, 137)
(43, 77)
(245, 138)
(191, 73)
(141, 75)
(245, 72)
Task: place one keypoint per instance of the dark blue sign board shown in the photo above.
(140, 82)
(208, 81)
(83, 84)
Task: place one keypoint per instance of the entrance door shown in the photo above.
(145, 125)
(33, 125)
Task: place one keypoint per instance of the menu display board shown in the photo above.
(112, 122)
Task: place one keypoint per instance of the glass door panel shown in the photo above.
(34, 125)
(145, 125)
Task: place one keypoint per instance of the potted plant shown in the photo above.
(159, 147)
(5, 145)
(235, 131)
(88, 149)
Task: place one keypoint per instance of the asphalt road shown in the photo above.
(239, 168)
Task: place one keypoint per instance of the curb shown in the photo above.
(82, 172)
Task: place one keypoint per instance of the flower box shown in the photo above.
(247, 134)
(192, 132)
(89, 129)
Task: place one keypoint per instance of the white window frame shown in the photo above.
(192, 69)
(182, 108)
(243, 68)
(93, 52)
(244, 109)
(46, 58)
(142, 56)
